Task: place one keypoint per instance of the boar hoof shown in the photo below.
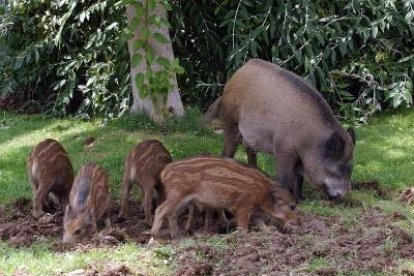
(46, 218)
(38, 213)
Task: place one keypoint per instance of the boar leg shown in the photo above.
(242, 211)
(225, 220)
(288, 175)
(242, 219)
(208, 218)
(190, 221)
(108, 226)
(164, 209)
(40, 201)
(126, 190)
(230, 140)
(160, 192)
(299, 188)
(251, 157)
(172, 222)
(147, 203)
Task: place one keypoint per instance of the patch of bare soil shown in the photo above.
(110, 270)
(20, 228)
(373, 245)
(191, 266)
(407, 196)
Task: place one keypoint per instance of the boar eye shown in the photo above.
(77, 232)
(292, 207)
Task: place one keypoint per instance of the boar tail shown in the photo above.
(213, 111)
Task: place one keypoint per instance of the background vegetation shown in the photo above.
(68, 56)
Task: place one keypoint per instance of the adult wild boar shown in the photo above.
(277, 112)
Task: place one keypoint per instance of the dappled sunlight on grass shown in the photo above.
(39, 260)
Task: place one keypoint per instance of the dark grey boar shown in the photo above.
(88, 203)
(50, 171)
(143, 166)
(277, 112)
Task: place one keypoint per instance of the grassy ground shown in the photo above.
(383, 152)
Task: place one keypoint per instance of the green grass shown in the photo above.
(40, 260)
(384, 152)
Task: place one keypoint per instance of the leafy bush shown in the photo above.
(357, 53)
(65, 56)
(69, 56)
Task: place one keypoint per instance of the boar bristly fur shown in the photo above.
(221, 184)
(277, 112)
(88, 203)
(143, 166)
(50, 171)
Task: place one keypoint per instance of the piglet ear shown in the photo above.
(351, 133)
(334, 145)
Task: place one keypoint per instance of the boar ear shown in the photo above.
(334, 145)
(351, 133)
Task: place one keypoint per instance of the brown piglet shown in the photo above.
(143, 166)
(88, 203)
(222, 184)
(50, 171)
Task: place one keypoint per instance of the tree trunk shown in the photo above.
(156, 107)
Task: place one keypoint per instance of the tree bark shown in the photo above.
(156, 108)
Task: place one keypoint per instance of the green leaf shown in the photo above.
(164, 62)
(136, 59)
(134, 23)
(342, 45)
(138, 44)
(374, 31)
(160, 38)
(409, 17)
(152, 4)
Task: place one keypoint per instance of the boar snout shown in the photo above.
(337, 190)
(285, 214)
(67, 239)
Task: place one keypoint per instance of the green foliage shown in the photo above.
(152, 81)
(70, 56)
(357, 53)
(65, 56)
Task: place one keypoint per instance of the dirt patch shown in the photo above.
(190, 266)
(20, 228)
(407, 196)
(110, 270)
(373, 245)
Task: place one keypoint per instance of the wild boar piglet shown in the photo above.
(222, 184)
(143, 166)
(50, 173)
(88, 203)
